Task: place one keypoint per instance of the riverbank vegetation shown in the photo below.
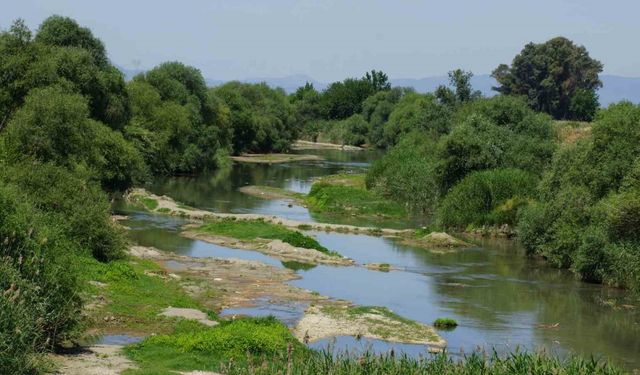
(253, 230)
(345, 194)
(73, 132)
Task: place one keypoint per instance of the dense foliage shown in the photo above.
(260, 117)
(71, 129)
(556, 77)
(587, 217)
(485, 134)
(177, 125)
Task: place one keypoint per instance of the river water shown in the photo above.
(500, 298)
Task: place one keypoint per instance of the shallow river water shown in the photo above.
(500, 298)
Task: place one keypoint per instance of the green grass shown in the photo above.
(253, 229)
(445, 323)
(150, 203)
(348, 200)
(133, 294)
(346, 194)
(262, 346)
(164, 210)
(195, 347)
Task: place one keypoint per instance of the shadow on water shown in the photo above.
(499, 297)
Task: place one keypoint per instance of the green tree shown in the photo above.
(65, 32)
(462, 91)
(54, 126)
(376, 110)
(378, 80)
(260, 117)
(549, 75)
(416, 112)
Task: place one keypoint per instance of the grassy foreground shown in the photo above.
(265, 346)
(254, 229)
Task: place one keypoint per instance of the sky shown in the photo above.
(330, 40)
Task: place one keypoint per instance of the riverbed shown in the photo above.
(500, 298)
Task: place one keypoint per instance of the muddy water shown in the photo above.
(499, 297)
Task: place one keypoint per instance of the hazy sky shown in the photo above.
(330, 40)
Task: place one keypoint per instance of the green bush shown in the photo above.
(407, 173)
(445, 323)
(490, 197)
(587, 219)
(78, 207)
(39, 303)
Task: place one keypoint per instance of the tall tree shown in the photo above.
(550, 75)
(460, 80)
(378, 80)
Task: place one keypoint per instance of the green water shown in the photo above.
(499, 297)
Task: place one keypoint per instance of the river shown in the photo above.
(500, 298)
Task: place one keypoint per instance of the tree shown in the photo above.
(260, 117)
(460, 80)
(377, 109)
(416, 112)
(549, 75)
(343, 99)
(53, 126)
(378, 80)
(65, 32)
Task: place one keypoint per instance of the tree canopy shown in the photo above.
(557, 77)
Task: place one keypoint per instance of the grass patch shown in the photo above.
(164, 210)
(254, 229)
(150, 203)
(195, 347)
(446, 323)
(349, 200)
(346, 194)
(135, 293)
(344, 179)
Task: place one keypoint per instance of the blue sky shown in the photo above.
(330, 40)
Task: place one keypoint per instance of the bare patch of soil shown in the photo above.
(373, 322)
(94, 360)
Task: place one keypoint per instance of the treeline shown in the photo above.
(72, 131)
(472, 163)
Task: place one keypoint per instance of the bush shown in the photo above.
(53, 126)
(78, 207)
(407, 173)
(39, 303)
(416, 112)
(445, 323)
(587, 219)
(487, 198)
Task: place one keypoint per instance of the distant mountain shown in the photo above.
(615, 88)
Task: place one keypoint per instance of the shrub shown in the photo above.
(487, 197)
(39, 305)
(445, 323)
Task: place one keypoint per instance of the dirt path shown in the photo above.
(93, 360)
